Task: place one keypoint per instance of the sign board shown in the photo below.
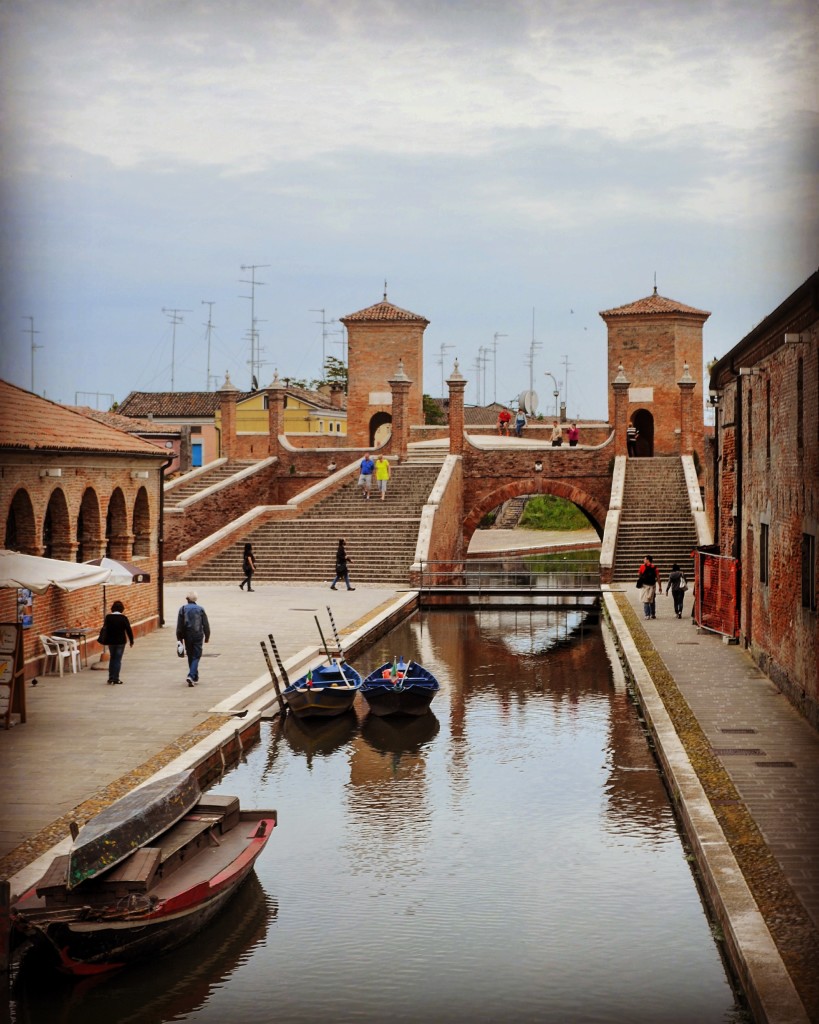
(12, 682)
(641, 395)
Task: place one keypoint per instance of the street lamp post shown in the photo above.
(556, 391)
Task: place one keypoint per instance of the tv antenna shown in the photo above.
(483, 359)
(255, 353)
(566, 368)
(440, 361)
(208, 330)
(31, 332)
(324, 324)
(495, 337)
(175, 320)
(533, 346)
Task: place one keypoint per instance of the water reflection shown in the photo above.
(319, 737)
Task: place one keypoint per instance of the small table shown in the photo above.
(80, 633)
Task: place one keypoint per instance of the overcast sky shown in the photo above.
(494, 162)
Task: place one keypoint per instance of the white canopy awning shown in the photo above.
(38, 574)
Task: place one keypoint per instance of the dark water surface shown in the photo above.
(510, 857)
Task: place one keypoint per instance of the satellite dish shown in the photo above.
(527, 400)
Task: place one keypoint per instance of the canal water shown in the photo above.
(512, 856)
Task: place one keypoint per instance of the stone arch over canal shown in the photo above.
(494, 473)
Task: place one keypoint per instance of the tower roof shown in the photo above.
(382, 311)
(651, 305)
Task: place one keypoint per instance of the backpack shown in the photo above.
(683, 583)
(193, 620)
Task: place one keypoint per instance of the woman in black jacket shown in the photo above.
(248, 568)
(342, 566)
(117, 629)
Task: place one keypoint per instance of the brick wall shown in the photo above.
(777, 466)
(95, 485)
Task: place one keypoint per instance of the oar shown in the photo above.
(335, 633)
(330, 659)
(275, 650)
(274, 677)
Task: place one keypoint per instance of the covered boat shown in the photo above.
(153, 899)
(323, 691)
(396, 688)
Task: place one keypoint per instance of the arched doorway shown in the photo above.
(116, 527)
(142, 523)
(88, 527)
(56, 528)
(380, 429)
(20, 530)
(644, 422)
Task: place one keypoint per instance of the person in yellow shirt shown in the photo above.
(382, 475)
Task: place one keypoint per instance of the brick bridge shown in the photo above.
(495, 471)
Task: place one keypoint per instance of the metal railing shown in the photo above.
(534, 574)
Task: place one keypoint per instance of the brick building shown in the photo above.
(74, 489)
(763, 489)
(378, 338)
(654, 339)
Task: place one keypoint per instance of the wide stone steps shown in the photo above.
(380, 536)
(203, 481)
(656, 519)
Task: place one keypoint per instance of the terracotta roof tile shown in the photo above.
(653, 304)
(172, 404)
(316, 398)
(126, 423)
(383, 311)
(37, 424)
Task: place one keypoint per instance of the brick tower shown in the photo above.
(658, 342)
(377, 338)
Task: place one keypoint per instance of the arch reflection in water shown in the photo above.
(170, 987)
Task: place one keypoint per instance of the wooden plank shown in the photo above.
(137, 872)
(53, 881)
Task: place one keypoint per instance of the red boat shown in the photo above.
(155, 898)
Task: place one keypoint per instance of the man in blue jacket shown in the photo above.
(365, 476)
(193, 629)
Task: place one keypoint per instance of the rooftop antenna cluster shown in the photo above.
(208, 330)
(324, 332)
(495, 337)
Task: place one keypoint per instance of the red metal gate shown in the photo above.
(717, 581)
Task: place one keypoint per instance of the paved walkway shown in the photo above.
(81, 734)
(768, 749)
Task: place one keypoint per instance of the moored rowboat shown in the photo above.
(323, 691)
(398, 689)
(151, 901)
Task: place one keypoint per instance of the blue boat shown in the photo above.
(397, 688)
(323, 691)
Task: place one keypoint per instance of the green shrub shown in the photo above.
(548, 512)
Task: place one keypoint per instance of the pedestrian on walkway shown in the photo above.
(248, 568)
(365, 476)
(574, 435)
(632, 433)
(382, 474)
(649, 580)
(342, 566)
(193, 629)
(117, 629)
(520, 422)
(678, 585)
(557, 435)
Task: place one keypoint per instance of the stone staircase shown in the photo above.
(656, 519)
(380, 536)
(188, 488)
(511, 512)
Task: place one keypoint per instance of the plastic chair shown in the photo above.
(57, 649)
(71, 647)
